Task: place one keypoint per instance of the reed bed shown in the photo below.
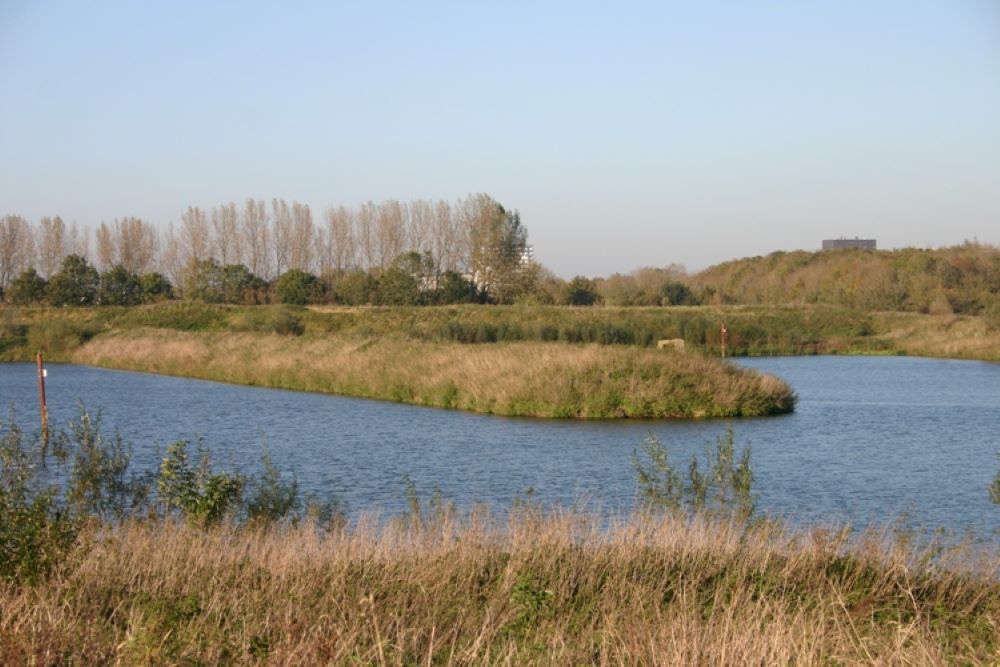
(514, 379)
(531, 588)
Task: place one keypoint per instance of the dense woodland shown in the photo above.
(959, 279)
(424, 253)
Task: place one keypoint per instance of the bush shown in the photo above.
(724, 487)
(155, 287)
(36, 531)
(27, 288)
(76, 284)
(356, 288)
(677, 294)
(298, 288)
(580, 291)
(119, 287)
(201, 496)
(92, 479)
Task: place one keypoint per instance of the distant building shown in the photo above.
(841, 243)
(527, 255)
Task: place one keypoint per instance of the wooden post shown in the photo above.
(41, 399)
(725, 335)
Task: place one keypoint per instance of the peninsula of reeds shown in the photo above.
(371, 356)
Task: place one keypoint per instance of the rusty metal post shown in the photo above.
(41, 399)
(725, 335)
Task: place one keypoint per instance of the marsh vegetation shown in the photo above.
(191, 574)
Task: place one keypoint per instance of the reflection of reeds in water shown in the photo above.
(528, 379)
(556, 589)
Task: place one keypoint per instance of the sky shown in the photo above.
(627, 134)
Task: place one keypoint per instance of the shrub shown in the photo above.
(356, 288)
(36, 531)
(119, 287)
(677, 294)
(76, 283)
(27, 288)
(272, 497)
(298, 288)
(580, 291)
(155, 287)
(200, 495)
(723, 488)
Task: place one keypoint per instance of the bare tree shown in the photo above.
(421, 225)
(445, 241)
(365, 228)
(340, 238)
(228, 240)
(281, 234)
(53, 245)
(106, 255)
(390, 233)
(195, 238)
(79, 241)
(16, 248)
(496, 242)
(302, 238)
(171, 256)
(256, 237)
(135, 244)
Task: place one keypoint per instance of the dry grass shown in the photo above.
(524, 379)
(946, 336)
(559, 589)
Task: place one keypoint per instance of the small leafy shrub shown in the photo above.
(724, 487)
(201, 496)
(437, 511)
(36, 530)
(272, 497)
(99, 483)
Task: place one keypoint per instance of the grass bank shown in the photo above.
(753, 330)
(514, 379)
(528, 589)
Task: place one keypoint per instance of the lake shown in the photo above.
(872, 439)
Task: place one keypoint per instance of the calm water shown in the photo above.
(873, 438)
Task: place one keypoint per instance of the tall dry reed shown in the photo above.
(523, 379)
(561, 588)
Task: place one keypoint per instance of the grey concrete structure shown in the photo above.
(838, 244)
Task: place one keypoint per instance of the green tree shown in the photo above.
(356, 288)
(453, 287)
(498, 241)
(76, 283)
(580, 291)
(27, 288)
(206, 280)
(298, 287)
(240, 285)
(677, 294)
(398, 288)
(155, 287)
(119, 287)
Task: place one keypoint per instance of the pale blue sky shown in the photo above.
(627, 134)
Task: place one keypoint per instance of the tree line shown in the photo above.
(474, 249)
